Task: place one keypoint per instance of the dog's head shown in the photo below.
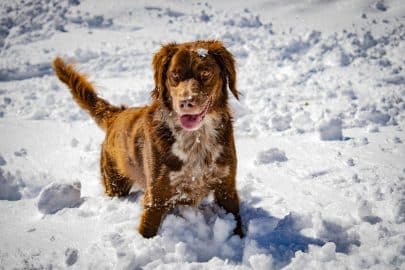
(192, 79)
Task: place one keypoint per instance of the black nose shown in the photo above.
(186, 103)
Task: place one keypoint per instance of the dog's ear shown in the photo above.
(227, 63)
(160, 63)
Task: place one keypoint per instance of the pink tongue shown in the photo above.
(189, 121)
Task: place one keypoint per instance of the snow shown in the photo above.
(9, 186)
(270, 156)
(56, 196)
(330, 130)
(2, 161)
(319, 131)
(202, 52)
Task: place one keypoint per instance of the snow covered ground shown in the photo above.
(319, 132)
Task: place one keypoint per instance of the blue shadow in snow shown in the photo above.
(281, 237)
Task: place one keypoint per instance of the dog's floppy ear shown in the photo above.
(160, 63)
(227, 63)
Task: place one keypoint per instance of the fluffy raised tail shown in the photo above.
(84, 94)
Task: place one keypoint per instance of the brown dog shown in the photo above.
(180, 147)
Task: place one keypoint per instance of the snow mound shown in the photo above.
(271, 155)
(330, 130)
(201, 236)
(56, 196)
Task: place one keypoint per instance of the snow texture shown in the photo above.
(270, 156)
(319, 132)
(2, 161)
(9, 186)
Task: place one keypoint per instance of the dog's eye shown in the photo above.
(205, 74)
(175, 76)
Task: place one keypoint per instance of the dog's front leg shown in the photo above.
(227, 197)
(155, 208)
(151, 219)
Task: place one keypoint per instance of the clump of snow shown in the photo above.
(202, 52)
(330, 130)
(327, 252)
(10, 186)
(372, 128)
(57, 196)
(203, 234)
(302, 122)
(281, 123)
(337, 57)
(271, 155)
(318, 257)
(261, 262)
(364, 209)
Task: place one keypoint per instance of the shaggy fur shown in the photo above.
(151, 147)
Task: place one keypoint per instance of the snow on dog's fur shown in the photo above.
(179, 148)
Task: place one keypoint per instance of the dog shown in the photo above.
(181, 147)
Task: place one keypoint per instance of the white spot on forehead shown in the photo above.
(202, 52)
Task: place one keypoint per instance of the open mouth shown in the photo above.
(192, 121)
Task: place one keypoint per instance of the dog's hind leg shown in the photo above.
(115, 183)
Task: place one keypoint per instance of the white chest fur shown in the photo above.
(198, 150)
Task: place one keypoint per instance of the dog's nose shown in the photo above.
(187, 103)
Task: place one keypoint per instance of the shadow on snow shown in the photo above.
(282, 238)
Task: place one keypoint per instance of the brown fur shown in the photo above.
(149, 147)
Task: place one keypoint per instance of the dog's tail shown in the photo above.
(84, 94)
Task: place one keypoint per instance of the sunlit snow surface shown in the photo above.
(319, 131)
